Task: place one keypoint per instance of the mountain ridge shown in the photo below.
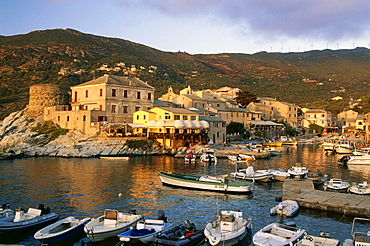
(68, 57)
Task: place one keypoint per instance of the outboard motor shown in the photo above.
(5, 206)
(290, 225)
(162, 216)
(132, 211)
(189, 226)
(43, 209)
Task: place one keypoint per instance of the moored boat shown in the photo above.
(288, 208)
(30, 221)
(110, 224)
(61, 230)
(208, 156)
(179, 235)
(250, 174)
(360, 188)
(360, 237)
(298, 171)
(359, 160)
(336, 185)
(204, 182)
(276, 234)
(189, 157)
(278, 175)
(228, 228)
(311, 240)
(146, 230)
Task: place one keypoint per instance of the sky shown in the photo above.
(202, 26)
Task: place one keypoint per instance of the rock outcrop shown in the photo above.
(18, 138)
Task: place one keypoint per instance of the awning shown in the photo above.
(263, 123)
(137, 125)
(179, 124)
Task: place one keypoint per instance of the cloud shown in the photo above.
(326, 19)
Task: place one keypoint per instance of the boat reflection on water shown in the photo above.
(361, 171)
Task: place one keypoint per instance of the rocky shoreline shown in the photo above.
(18, 139)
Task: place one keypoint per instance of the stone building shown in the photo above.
(105, 100)
(45, 95)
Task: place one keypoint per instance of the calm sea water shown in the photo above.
(86, 187)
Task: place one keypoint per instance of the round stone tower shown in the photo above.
(45, 95)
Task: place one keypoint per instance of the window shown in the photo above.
(101, 92)
(137, 117)
(86, 93)
(218, 105)
(125, 111)
(176, 117)
(149, 96)
(100, 107)
(58, 118)
(138, 95)
(114, 91)
(193, 117)
(113, 109)
(125, 93)
(167, 116)
(67, 118)
(218, 134)
(184, 117)
(137, 108)
(144, 117)
(84, 118)
(75, 96)
(86, 107)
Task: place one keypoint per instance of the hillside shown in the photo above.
(68, 57)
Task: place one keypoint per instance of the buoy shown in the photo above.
(119, 194)
(151, 182)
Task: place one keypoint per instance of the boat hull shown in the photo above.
(96, 231)
(62, 230)
(170, 180)
(7, 224)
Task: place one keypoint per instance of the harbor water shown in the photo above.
(86, 187)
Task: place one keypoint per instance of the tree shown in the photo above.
(244, 98)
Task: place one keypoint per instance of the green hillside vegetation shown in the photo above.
(69, 57)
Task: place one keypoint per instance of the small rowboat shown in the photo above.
(61, 230)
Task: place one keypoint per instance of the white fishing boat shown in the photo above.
(278, 175)
(250, 174)
(298, 171)
(61, 230)
(287, 208)
(276, 234)
(110, 224)
(190, 156)
(204, 182)
(358, 160)
(344, 147)
(146, 230)
(337, 185)
(241, 158)
(208, 156)
(360, 188)
(360, 237)
(274, 151)
(310, 240)
(329, 144)
(228, 228)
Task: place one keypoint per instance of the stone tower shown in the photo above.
(45, 95)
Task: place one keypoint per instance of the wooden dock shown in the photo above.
(303, 192)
